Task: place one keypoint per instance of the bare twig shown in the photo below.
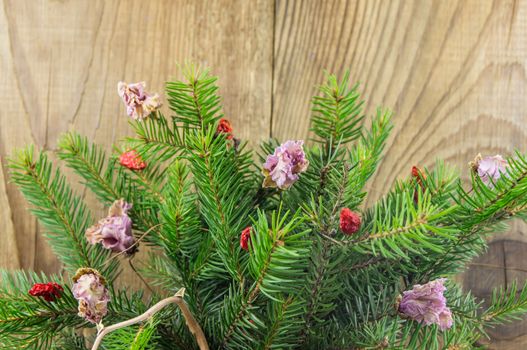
(139, 275)
(177, 299)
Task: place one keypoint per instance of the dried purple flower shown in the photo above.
(489, 167)
(115, 231)
(427, 304)
(90, 290)
(281, 169)
(139, 103)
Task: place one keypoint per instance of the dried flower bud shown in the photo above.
(282, 168)
(90, 290)
(224, 127)
(419, 177)
(132, 160)
(245, 238)
(49, 291)
(349, 221)
(427, 304)
(139, 104)
(115, 231)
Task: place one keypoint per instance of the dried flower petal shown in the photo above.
(490, 167)
(281, 168)
(91, 292)
(139, 104)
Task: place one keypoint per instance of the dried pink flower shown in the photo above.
(445, 319)
(90, 290)
(427, 304)
(139, 103)
(490, 167)
(281, 168)
(115, 231)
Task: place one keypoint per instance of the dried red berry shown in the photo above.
(132, 160)
(349, 221)
(49, 291)
(245, 237)
(224, 127)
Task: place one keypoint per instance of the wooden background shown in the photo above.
(453, 72)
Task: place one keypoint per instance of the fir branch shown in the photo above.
(63, 214)
(319, 278)
(222, 194)
(337, 113)
(477, 211)
(506, 305)
(278, 254)
(365, 156)
(89, 162)
(195, 101)
(32, 322)
(156, 141)
(286, 322)
(396, 227)
(108, 180)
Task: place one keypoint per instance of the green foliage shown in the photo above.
(397, 225)
(141, 337)
(506, 305)
(31, 322)
(337, 112)
(365, 157)
(279, 254)
(158, 139)
(105, 178)
(61, 212)
(195, 101)
(302, 284)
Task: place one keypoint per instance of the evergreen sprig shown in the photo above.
(62, 213)
(302, 283)
(31, 322)
(506, 305)
(337, 112)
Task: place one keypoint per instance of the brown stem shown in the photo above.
(140, 277)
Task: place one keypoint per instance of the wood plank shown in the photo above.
(8, 250)
(61, 62)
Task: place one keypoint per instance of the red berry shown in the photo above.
(224, 127)
(349, 221)
(132, 160)
(245, 237)
(49, 291)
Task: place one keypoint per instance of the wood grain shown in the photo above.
(453, 71)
